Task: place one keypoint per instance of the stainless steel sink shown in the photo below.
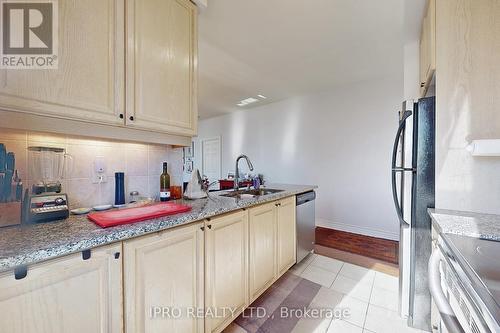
(254, 193)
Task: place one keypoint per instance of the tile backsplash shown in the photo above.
(142, 164)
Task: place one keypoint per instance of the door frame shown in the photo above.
(202, 154)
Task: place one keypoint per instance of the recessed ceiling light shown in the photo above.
(247, 101)
(262, 96)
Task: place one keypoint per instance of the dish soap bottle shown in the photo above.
(165, 184)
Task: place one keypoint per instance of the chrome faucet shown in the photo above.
(237, 171)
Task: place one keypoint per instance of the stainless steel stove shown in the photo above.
(474, 267)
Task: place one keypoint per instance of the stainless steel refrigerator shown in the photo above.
(413, 186)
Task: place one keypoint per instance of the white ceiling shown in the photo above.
(285, 48)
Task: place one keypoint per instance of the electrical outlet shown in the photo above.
(99, 170)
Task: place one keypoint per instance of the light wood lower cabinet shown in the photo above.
(163, 274)
(171, 279)
(65, 295)
(262, 248)
(226, 270)
(287, 234)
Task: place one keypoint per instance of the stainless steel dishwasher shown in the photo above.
(306, 224)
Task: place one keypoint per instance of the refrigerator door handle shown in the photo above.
(396, 169)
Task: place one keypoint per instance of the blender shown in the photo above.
(45, 202)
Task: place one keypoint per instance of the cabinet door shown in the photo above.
(287, 239)
(65, 295)
(262, 227)
(428, 47)
(89, 82)
(226, 268)
(162, 65)
(163, 277)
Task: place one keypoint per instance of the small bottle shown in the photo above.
(165, 184)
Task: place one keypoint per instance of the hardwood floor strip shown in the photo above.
(378, 248)
(356, 259)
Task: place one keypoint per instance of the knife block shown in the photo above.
(10, 213)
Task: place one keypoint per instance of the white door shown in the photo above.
(211, 165)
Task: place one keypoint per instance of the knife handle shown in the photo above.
(10, 161)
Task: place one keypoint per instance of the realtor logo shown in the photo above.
(29, 36)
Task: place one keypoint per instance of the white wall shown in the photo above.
(340, 140)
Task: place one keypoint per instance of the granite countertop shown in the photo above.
(484, 226)
(28, 244)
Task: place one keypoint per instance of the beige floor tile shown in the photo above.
(357, 289)
(341, 326)
(357, 309)
(385, 298)
(327, 298)
(309, 258)
(386, 282)
(234, 328)
(380, 320)
(319, 276)
(329, 264)
(357, 272)
(300, 267)
(307, 325)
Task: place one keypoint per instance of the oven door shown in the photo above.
(452, 310)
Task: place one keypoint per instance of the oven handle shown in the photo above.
(447, 315)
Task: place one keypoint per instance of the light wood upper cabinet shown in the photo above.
(263, 229)
(89, 82)
(164, 271)
(226, 270)
(428, 48)
(287, 239)
(162, 65)
(63, 295)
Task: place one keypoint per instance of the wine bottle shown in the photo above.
(165, 184)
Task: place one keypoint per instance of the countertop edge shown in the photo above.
(38, 256)
(471, 224)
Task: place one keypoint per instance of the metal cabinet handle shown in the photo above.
(209, 226)
(121, 116)
(131, 118)
(86, 254)
(447, 315)
(202, 228)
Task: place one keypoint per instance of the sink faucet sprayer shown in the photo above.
(237, 171)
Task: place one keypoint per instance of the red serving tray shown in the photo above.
(137, 214)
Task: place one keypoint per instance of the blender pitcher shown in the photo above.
(47, 167)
